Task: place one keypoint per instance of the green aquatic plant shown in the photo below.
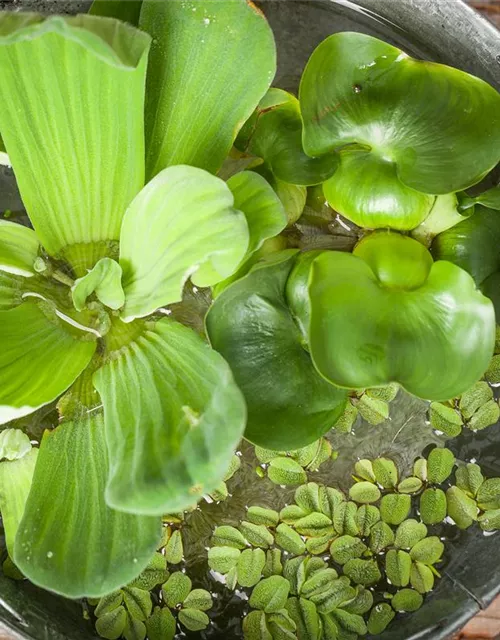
(125, 208)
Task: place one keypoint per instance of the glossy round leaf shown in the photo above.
(250, 323)
(386, 315)
(357, 89)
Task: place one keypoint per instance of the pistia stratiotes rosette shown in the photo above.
(406, 130)
(150, 415)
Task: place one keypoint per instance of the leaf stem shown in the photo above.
(63, 278)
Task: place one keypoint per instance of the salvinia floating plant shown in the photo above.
(120, 138)
(149, 414)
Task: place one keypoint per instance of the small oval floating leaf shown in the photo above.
(250, 565)
(365, 572)
(112, 624)
(138, 602)
(364, 492)
(315, 524)
(255, 626)
(428, 550)
(223, 559)
(485, 416)
(373, 410)
(226, 536)
(346, 548)
(174, 551)
(109, 603)
(317, 546)
(421, 577)
(440, 463)
(420, 469)
(410, 485)
(260, 515)
(488, 495)
(161, 625)
(193, 619)
(366, 516)
(490, 520)
(350, 622)
(433, 506)
(273, 566)
(289, 540)
(291, 513)
(362, 602)
(407, 600)
(397, 567)
(394, 508)
(469, 478)
(381, 537)
(409, 533)
(257, 535)
(320, 582)
(308, 498)
(386, 472)
(364, 469)
(286, 471)
(380, 617)
(176, 589)
(461, 508)
(270, 595)
(446, 419)
(306, 618)
(474, 398)
(198, 599)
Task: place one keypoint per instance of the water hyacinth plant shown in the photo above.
(158, 166)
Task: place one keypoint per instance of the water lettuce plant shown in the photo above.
(114, 159)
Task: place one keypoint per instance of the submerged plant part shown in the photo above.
(393, 120)
(150, 415)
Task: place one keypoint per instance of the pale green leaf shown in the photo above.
(210, 65)
(109, 603)
(194, 619)
(250, 565)
(270, 595)
(198, 599)
(433, 506)
(182, 224)
(174, 550)
(176, 589)
(14, 444)
(161, 624)
(39, 358)
(18, 249)
(134, 629)
(223, 559)
(226, 536)
(15, 484)
(138, 602)
(72, 91)
(52, 547)
(112, 624)
(173, 419)
(105, 281)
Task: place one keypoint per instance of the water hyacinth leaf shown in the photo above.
(235, 50)
(161, 625)
(407, 600)
(18, 249)
(262, 208)
(251, 325)
(397, 567)
(490, 520)
(14, 444)
(226, 536)
(488, 495)
(406, 331)
(126, 10)
(440, 463)
(274, 133)
(34, 339)
(410, 485)
(364, 493)
(16, 476)
(223, 559)
(111, 551)
(64, 158)
(345, 548)
(446, 419)
(394, 508)
(176, 589)
(111, 625)
(443, 215)
(381, 537)
(138, 602)
(172, 435)
(261, 515)
(474, 398)
(386, 472)
(421, 577)
(182, 224)
(428, 551)
(387, 99)
(289, 540)
(257, 535)
(250, 565)
(380, 617)
(270, 595)
(433, 507)
(174, 550)
(285, 471)
(489, 198)
(305, 616)
(105, 281)
(469, 479)
(376, 197)
(462, 509)
(365, 572)
(366, 517)
(193, 619)
(409, 533)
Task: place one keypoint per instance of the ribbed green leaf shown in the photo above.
(173, 416)
(72, 97)
(274, 133)
(105, 281)
(69, 541)
(126, 10)
(39, 358)
(182, 224)
(251, 324)
(15, 484)
(358, 89)
(11, 291)
(387, 313)
(199, 96)
(18, 249)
